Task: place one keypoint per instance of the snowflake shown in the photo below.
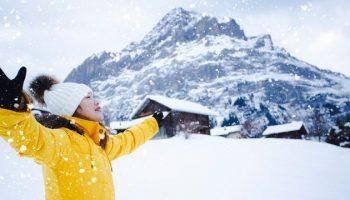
(18, 60)
(306, 7)
(296, 77)
(22, 149)
(93, 179)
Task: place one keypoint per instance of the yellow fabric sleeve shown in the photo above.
(29, 138)
(131, 139)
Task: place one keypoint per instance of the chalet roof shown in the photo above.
(293, 126)
(175, 105)
(225, 130)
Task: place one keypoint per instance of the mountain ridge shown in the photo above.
(193, 57)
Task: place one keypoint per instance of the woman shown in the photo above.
(74, 149)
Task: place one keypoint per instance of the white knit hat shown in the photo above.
(64, 98)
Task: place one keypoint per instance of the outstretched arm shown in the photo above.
(19, 127)
(131, 139)
(31, 139)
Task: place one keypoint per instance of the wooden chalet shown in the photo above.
(227, 131)
(293, 130)
(181, 116)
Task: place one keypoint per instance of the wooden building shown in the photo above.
(227, 131)
(180, 116)
(293, 130)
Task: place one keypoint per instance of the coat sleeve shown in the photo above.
(29, 138)
(131, 139)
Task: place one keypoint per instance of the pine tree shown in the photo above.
(340, 133)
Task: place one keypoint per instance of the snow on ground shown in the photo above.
(206, 168)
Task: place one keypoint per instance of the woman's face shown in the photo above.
(89, 109)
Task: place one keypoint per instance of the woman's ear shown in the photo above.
(77, 112)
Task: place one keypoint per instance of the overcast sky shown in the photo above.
(56, 36)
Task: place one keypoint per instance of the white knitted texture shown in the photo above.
(64, 98)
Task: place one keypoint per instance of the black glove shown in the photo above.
(11, 90)
(158, 116)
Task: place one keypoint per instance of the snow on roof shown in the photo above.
(119, 125)
(176, 105)
(293, 126)
(225, 130)
(347, 124)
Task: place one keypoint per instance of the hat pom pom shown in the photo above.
(39, 85)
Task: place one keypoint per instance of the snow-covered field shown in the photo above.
(206, 168)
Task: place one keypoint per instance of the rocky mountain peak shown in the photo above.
(210, 61)
(180, 25)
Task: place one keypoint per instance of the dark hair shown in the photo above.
(53, 121)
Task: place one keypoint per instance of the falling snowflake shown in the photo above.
(296, 77)
(151, 82)
(22, 149)
(93, 179)
(69, 7)
(18, 60)
(306, 7)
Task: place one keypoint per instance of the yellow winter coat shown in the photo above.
(75, 167)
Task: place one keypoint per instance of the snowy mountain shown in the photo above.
(206, 168)
(211, 61)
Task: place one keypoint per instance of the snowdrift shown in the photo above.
(206, 168)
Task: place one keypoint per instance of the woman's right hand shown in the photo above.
(159, 117)
(11, 90)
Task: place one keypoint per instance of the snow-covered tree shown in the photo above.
(340, 133)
